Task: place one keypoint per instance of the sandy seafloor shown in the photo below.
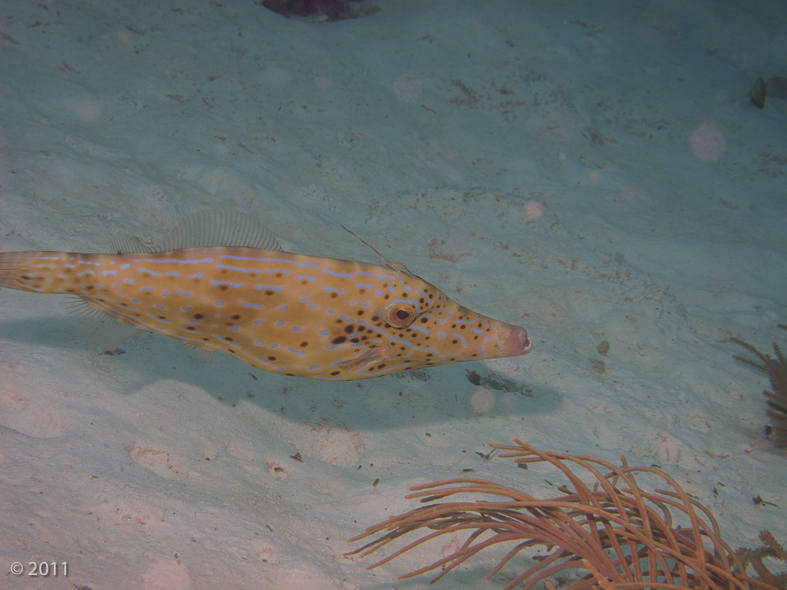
(593, 171)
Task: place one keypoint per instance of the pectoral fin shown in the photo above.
(369, 355)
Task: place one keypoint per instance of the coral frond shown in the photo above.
(620, 535)
(776, 369)
(754, 557)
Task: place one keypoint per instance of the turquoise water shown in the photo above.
(595, 173)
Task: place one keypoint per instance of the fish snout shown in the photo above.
(517, 342)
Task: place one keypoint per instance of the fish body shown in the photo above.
(287, 313)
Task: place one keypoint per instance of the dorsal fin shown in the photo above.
(219, 228)
(124, 243)
(204, 229)
(388, 263)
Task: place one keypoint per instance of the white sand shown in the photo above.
(592, 171)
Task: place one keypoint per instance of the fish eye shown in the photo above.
(399, 315)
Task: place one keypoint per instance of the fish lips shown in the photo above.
(517, 343)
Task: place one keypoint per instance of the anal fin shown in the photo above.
(97, 325)
(202, 354)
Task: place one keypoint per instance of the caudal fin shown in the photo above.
(14, 269)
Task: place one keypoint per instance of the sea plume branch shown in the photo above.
(622, 536)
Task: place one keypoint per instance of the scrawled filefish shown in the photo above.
(293, 314)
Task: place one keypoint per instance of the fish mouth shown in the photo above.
(517, 343)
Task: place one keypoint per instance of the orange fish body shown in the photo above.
(286, 313)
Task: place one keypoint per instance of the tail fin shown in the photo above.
(14, 270)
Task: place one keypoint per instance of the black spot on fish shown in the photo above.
(304, 344)
(271, 358)
(199, 316)
(334, 373)
(339, 340)
(349, 329)
(235, 317)
(269, 292)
